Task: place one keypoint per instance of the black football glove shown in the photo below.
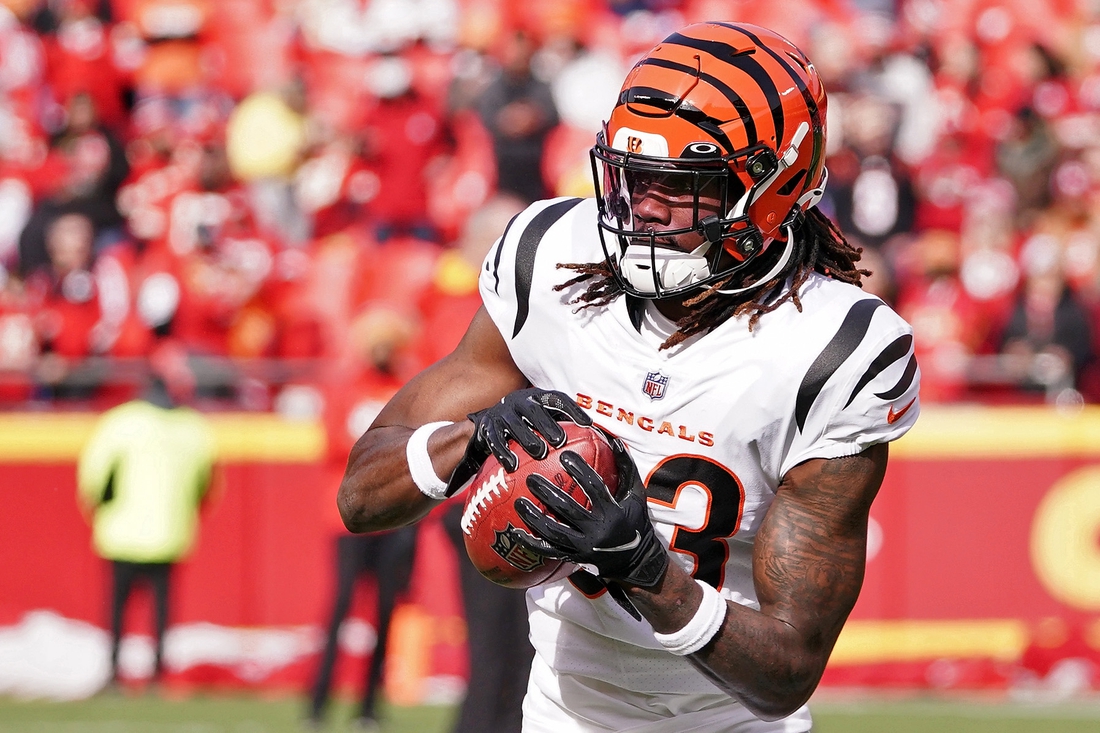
(615, 535)
(529, 417)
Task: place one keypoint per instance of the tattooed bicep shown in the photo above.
(810, 552)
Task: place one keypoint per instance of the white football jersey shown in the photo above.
(712, 424)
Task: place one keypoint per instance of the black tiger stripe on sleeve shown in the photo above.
(892, 353)
(500, 249)
(525, 255)
(835, 353)
(903, 384)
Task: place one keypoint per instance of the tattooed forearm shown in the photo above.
(808, 562)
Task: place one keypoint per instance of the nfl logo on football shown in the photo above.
(654, 385)
(515, 554)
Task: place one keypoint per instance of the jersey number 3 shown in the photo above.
(720, 519)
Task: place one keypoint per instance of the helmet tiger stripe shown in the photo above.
(746, 94)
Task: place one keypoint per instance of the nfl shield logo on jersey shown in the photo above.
(654, 385)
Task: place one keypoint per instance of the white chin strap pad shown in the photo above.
(675, 269)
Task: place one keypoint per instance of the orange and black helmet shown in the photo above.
(731, 109)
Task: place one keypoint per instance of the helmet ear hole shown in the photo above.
(744, 245)
(761, 164)
(750, 244)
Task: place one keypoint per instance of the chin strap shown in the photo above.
(781, 265)
(812, 197)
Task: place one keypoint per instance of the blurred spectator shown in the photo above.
(1049, 332)
(334, 184)
(947, 324)
(84, 58)
(518, 110)
(223, 260)
(65, 289)
(1027, 158)
(142, 476)
(449, 302)
(265, 139)
(869, 185)
(403, 135)
(91, 167)
(387, 558)
(81, 304)
(359, 135)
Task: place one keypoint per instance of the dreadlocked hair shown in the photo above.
(820, 247)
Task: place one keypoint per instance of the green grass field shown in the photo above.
(930, 715)
(122, 713)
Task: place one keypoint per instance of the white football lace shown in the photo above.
(490, 487)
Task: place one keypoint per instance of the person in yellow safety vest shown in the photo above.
(142, 477)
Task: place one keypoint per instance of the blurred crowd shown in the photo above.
(299, 193)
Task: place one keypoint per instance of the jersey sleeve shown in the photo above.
(496, 281)
(862, 389)
(508, 272)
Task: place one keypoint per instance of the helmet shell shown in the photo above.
(735, 86)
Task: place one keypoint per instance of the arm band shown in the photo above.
(420, 463)
(701, 629)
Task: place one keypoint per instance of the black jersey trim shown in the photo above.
(635, 308)
(525, 255)
(835, 353)
(892, 353)
(903, 384)
(500, 250)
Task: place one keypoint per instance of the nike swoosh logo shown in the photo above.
(892, 417)
(628, 546)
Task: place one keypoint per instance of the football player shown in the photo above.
(701, 309)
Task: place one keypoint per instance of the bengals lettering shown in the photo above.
(647, 424)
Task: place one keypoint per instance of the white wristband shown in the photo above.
(420, 463)
(701, 629)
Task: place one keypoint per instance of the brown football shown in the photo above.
(489, 519)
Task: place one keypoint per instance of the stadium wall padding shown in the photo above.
(984, 549)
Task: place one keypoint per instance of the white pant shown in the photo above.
(557, 703)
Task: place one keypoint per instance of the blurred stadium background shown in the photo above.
(298, 193)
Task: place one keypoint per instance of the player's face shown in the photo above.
(667, 203)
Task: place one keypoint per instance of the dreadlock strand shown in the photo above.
(821, 248)
(602, 291)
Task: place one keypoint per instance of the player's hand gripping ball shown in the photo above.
(489, 519)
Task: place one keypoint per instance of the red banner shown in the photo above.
(984, 560)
